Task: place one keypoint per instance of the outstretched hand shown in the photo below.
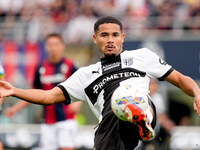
(197, 105)
(6, 89)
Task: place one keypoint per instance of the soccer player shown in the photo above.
(95, 84)
(58, 132)
(2, 74)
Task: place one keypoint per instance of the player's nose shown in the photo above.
(110, 39)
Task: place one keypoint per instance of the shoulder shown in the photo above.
(87, 72)
(138, 51)
(142, 55)
(90, 68)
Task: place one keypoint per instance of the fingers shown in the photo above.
(1, 95)
(197, 107)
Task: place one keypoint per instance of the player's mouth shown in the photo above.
(110, 47)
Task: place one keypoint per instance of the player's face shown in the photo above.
(54, 48)
(109, 39)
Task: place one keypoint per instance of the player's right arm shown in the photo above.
(43, 97)
(187, 85)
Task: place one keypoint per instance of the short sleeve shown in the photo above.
(72, 88)
(155, 66)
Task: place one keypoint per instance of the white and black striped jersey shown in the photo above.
(95, 83)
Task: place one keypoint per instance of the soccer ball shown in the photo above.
(127, 94)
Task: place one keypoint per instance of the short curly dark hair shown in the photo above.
(107, 19)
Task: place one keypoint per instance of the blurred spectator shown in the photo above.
(181, 16)
(11, 7)
(63, 11)
(195, 15)
(40, 17)
(106, 7)
(165, 14)
(80, 29)
(141, 8)
(35, 25)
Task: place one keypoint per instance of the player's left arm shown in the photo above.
(187, 85)
(37, 96)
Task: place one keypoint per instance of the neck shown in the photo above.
(55, 60)
(111, 56)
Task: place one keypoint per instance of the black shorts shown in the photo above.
(115, 134)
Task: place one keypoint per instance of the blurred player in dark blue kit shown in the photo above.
(95, 84)
(59, 129)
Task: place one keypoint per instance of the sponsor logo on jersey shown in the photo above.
(162, 62)
(97, 87)
(111, 66)
(128, 61)
(108, 81)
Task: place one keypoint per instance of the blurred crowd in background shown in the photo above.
(32, 20)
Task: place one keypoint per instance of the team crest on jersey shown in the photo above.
(128, 61)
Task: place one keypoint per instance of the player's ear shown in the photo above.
(123, 35)
(94, 38)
